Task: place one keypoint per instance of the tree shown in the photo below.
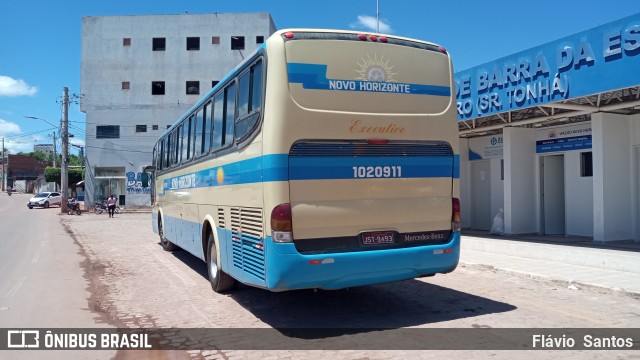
(42, 157)
(54, 174)
(75, 160)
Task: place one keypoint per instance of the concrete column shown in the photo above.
(612, 188)
(465, 184)
(519, 181)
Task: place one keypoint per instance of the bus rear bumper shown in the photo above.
(289, 270)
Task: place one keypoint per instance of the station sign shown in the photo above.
(485, 147)
(565, 138)
(601, 59)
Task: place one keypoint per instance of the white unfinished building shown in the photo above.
(139, 74)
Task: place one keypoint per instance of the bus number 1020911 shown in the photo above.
(377, 171)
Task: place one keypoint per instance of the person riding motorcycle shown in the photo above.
(73, 206)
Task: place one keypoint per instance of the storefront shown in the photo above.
(108, 181)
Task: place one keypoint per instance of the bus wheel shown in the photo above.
(220, 281)
(166, 244)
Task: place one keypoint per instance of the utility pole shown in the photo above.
(2, 179)
(55, 155)
(378, 16)
(55, 151)
(65, 150)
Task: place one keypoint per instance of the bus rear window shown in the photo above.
(368, 77)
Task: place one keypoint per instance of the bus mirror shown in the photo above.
(144, 177)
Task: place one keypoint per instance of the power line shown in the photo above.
(29, 134)
(127, 150)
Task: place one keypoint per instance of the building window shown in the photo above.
(215, 40)
(214, 83)
(237, 43)
(586, 164)
(107, 132)
(154, 127)
(126, 42)
(141, 128)
(259, 39)
(193, 43)
(125, 85)
(193, 87)
(157, 88)
(159, 44)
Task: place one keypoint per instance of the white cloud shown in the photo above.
(13, 145)
(12, 87)
(369, 23)
(7, 128)
(19, 146)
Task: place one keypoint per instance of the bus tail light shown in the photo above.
(455, 214)
(288, 35)
(281, 224)
(378, 141)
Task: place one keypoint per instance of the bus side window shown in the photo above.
(218, 114)
(207, 128)
(229, 114)
(186, 130)
(243, 94)
(198, 132)
(250, 99)
(161, 155)
(256, 86)
(178, 139)
(168, 152)
(172, 149)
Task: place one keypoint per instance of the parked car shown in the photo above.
(45, 199)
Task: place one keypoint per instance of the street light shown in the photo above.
(55, 152)
(65, 139)
(37, 118)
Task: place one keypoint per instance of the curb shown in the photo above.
(567, 283)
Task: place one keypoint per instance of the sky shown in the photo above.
(40, 41)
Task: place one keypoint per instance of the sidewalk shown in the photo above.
(578, 261)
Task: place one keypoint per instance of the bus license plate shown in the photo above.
(378, 238)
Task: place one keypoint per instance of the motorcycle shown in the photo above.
(73, 206)
(99, 208)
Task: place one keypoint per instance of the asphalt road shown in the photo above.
(42, 280)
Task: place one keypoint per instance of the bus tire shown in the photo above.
(220, 281)
(166, 244)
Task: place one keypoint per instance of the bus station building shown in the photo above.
(550, 137)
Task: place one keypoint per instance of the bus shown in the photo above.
(325, 160)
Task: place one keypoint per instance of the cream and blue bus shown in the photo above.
(325, 160)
